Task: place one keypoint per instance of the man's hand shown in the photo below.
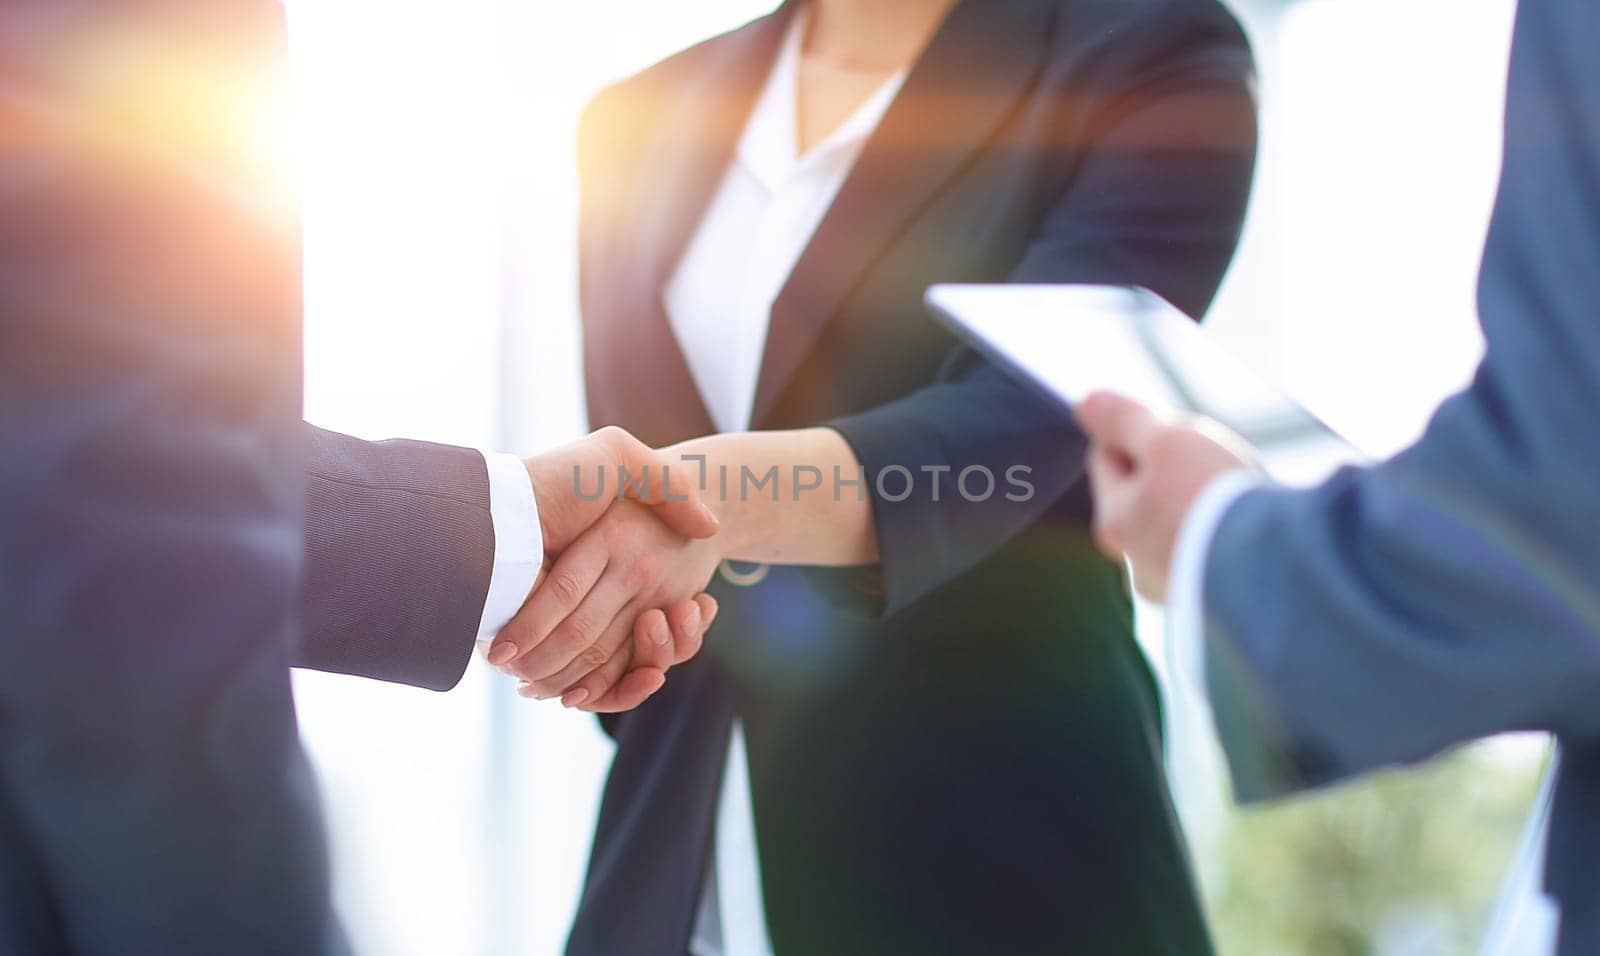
(1145, 475)
(572, 637)
(664, 634)
(593, 466)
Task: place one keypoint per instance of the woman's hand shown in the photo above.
(572, 635)
(638, 670)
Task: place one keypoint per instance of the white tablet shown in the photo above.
(1068, 341)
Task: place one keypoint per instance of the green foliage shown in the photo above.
(1406, 862)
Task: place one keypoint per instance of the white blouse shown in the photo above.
(718, 302)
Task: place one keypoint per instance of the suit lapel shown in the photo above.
(687, 156)
(984, 55)
(705, 128)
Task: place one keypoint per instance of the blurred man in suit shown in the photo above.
(172, 537)
(1445, 595)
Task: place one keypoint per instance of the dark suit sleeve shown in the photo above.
(153, 794)
(1454, 591)
(1158, 201)
(399, 551)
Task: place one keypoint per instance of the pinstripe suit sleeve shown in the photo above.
(399, 553)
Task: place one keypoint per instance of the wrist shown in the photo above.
(738, 535)
(544, 483)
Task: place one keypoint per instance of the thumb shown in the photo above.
(669, 492)
(691, 518)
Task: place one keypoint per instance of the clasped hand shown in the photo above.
(620, 601)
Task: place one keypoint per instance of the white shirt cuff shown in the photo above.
(1186, 617)
(518, 541)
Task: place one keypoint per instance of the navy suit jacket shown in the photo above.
(959, 750)
(1454, 592)
(155, 580)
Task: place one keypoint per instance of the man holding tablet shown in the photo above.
(1450, 593)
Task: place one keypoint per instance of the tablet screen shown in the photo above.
(1069, 341)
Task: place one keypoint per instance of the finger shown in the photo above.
(1109, 473)
(651, 649)
(552, 601)
(708, 611)
(484, 646)
(692, 518)
(575, 675)
(635, 687)
(1109, 479)
(630, 687)
(688, 628)
(1118, 423)
(579, 636)
(652, 641)
(669, 491)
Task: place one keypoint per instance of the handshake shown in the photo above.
(629, 548)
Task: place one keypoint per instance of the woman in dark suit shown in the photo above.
(951, 740)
